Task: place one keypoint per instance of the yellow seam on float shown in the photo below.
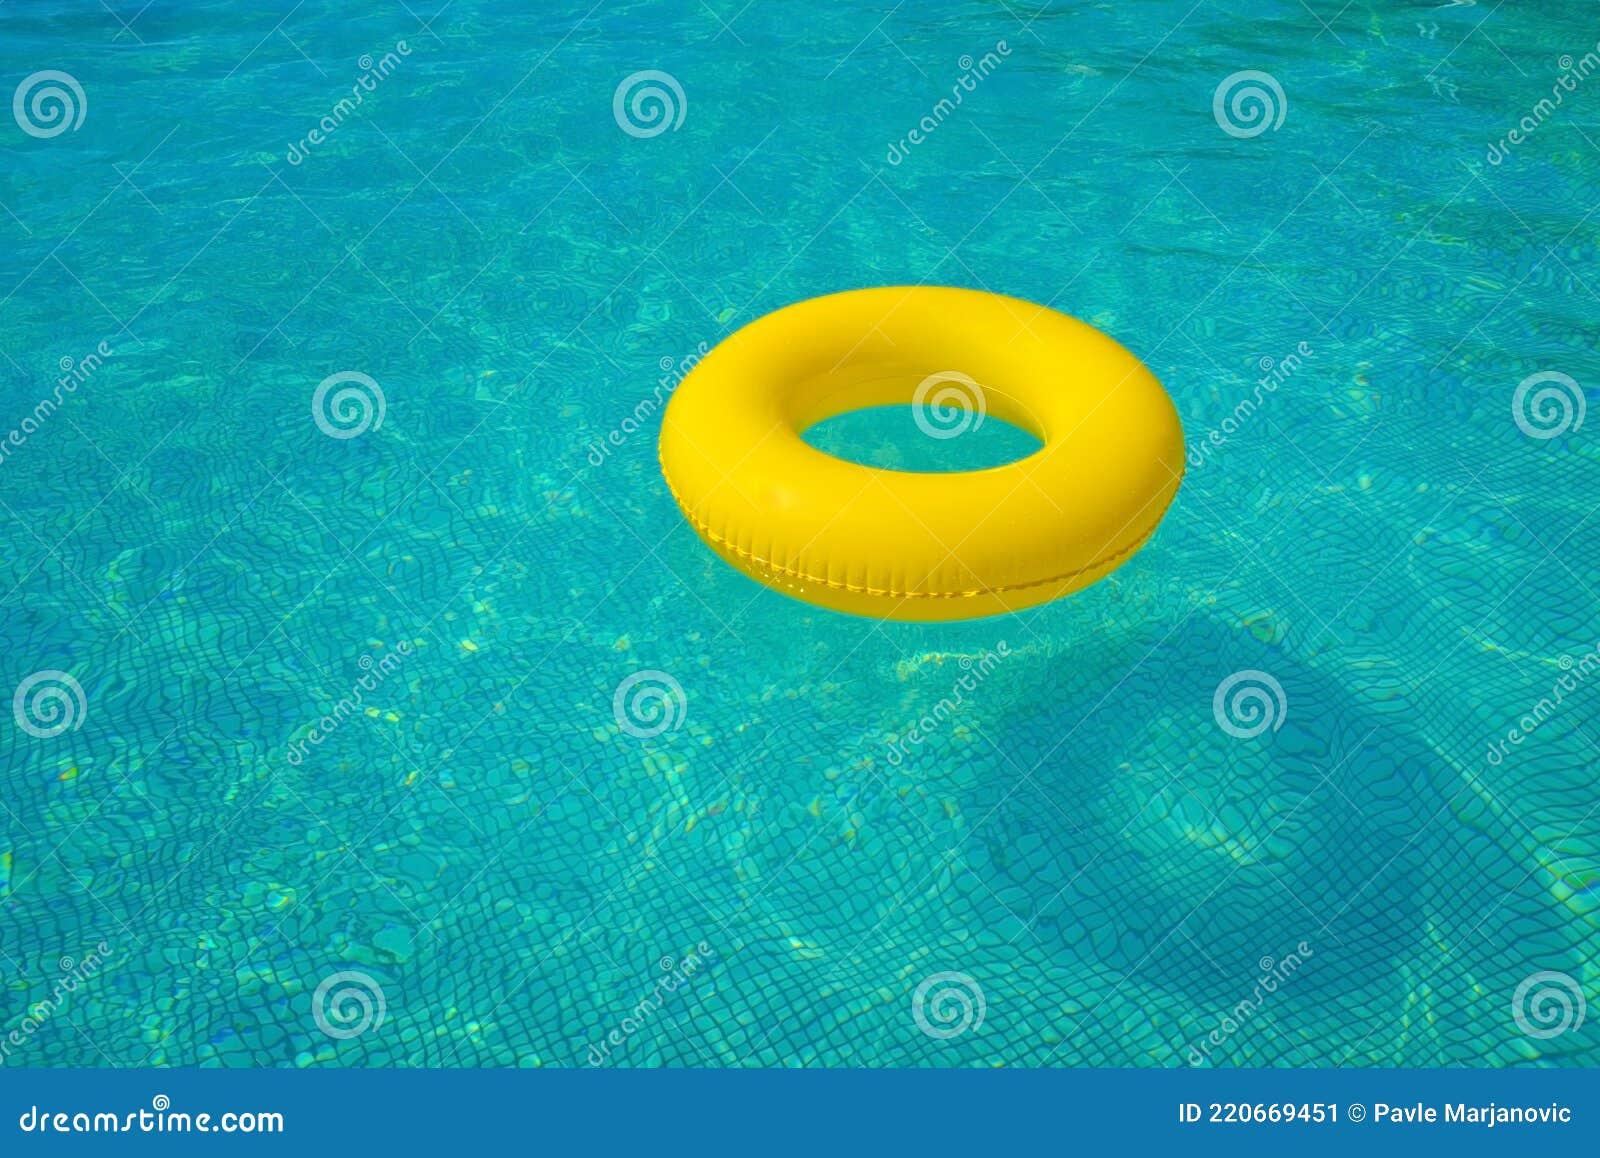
(704, 530)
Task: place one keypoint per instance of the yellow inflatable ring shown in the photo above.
(900, 545)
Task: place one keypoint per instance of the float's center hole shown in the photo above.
(927, 438)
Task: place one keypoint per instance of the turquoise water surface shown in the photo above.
(373, 704)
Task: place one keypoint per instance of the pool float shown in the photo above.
(902, 545)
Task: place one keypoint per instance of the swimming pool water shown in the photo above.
(391, 714)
